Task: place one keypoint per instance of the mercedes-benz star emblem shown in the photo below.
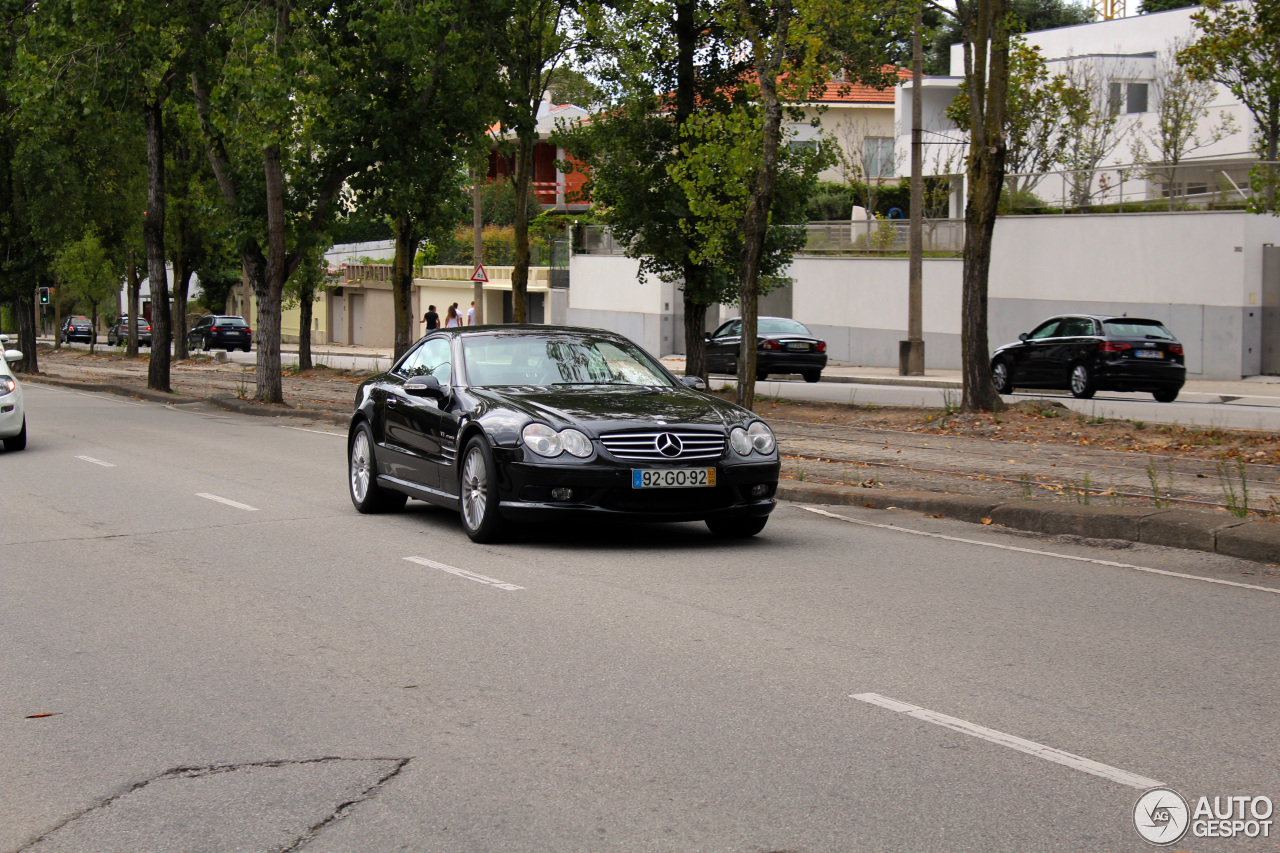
(669, 445)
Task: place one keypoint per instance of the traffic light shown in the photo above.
(44, 296)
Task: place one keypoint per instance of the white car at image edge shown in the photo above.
(13, 418)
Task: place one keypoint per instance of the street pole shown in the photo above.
(477, 243)
(911, 351)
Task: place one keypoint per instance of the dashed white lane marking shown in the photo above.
(96, 461)
(463, 573)
(1030, 747)
(226, 501)
(1166, 572)
(317, 432)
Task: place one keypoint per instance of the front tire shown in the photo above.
(1082, 383)
(19, 441)
(737, 528)
(1167, 395)
(812, 375)
(362, 477)
(1001, 376)
(478, 494)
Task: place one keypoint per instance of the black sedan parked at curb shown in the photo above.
(77, 329)
(782, 346)
(1087, 353)
(519, 424)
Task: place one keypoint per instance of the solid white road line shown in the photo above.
(463, 573)
(96, 461)
(1115, 565)
(1030, 747)
(317, 432)
(226, 501)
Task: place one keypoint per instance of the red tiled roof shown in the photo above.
(855, 93)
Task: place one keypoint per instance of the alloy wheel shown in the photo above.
(475, 489)
(1079, 379)
(361, 470)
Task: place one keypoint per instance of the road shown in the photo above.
(231, 658)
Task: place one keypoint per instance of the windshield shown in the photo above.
(780, 326)
(557, 359)
(1137, 329)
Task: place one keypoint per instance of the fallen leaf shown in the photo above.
(38, 716)
(986, 521)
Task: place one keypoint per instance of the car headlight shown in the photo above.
(545, 441)
(739, 442)
(761, 438)
(7, 385)
(575, 443)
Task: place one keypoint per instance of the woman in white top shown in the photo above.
(453, 319)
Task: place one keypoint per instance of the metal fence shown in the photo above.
(1139, 186)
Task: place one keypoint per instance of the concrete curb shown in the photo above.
(108, 388)
(1176, 528)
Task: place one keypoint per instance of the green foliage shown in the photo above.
(85, 270)
(1029, 16)
(836, 201)
(1146, 7)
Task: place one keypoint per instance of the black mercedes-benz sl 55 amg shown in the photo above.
(518, 424)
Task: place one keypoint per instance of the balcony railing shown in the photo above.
(1136, 187)
(942, 238)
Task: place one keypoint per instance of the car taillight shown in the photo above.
(214, 329)
(1113, 346)
(771, 345)
(820, 347)
(1176, 349)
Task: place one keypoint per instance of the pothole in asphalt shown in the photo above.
(264, 806)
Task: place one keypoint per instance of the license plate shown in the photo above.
(797, 345)
(672, 478)
(1148, 353)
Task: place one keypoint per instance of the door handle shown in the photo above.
(391, 402)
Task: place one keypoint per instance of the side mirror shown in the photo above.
(707, 336)
(12, 354)
(4, 339)
(1022, 337)
(694, 382)
(425, 386)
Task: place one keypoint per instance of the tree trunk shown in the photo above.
(153, 240)
(756, 224)
(695, 338)
(54, 299)
(132, 287)
(402, 282)
(306, 301)
(985, 28)
(25, 308)
(181, 286)
(520, 274)
(267, 277)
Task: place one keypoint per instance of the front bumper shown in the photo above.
(11, 413)
(603, 489)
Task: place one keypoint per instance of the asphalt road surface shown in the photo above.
(205, 648)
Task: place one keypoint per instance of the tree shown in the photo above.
(1090, 130)
(659, 64)
(1239, 47)
(86, 270)
(536, 39)
(1181, 104)
(1028, 16)
(985, 27)
(1034, 117)
(1146, 7)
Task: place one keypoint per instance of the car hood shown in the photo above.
(600, 409)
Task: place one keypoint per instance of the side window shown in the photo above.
(734, 327)
(1074, 327)
(722, 331)
(1046, 330)
(432, 358)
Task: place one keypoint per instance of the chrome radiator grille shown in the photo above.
(663, 445)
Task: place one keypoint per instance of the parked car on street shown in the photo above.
(77, 329)
(13, 417)
(512, 424)
(1086, 353)
(220, 331)
(119, 333)
(783, 346)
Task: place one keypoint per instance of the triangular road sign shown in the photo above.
(479, 274)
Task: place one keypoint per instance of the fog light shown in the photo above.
(561, 494)
(759, 490)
